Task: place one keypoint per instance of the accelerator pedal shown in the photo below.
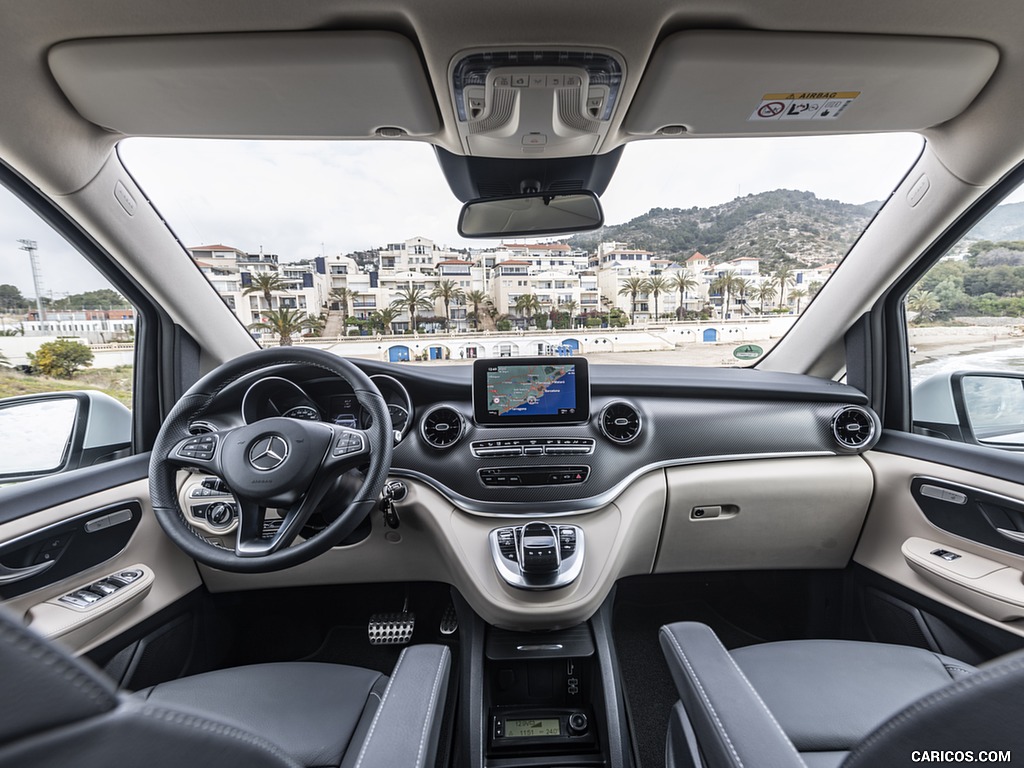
(391, 628)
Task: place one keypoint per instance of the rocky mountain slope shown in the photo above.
(779, 227)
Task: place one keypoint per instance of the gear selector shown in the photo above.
(538, 555)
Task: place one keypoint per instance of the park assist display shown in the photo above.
(534, 390)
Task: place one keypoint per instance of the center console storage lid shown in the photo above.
(503, 644)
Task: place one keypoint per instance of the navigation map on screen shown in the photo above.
(531, 390)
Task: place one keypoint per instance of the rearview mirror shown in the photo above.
(531, 215)
(980, 407)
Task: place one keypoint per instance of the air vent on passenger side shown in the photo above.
(620, 422)
(442, 426)
(853, 427)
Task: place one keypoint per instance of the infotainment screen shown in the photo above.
(531, 390)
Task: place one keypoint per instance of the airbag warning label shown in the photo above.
(803, 105)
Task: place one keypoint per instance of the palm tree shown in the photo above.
(784, 276)
(813, 288)
(571, 307)
(924, 304)
(411, 299)
(266, 283)
(343, 295)
(632, 287)
(385, 317)
(476, 298)
(725, 285)
(683, 282)
(285, 323)
(740, 287)
(528, 304)
(766, 293)
(448, 291)
(655, 285)
(797, 294)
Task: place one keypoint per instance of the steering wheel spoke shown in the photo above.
(199, 451)
(349, 447)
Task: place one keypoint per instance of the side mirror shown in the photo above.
(979, 407)
(531, 215)
(59, 431)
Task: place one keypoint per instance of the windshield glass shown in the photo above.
(710, 251)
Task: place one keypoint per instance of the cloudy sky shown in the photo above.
(301, 199)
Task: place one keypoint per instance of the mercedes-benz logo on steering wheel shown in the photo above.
(269, 452)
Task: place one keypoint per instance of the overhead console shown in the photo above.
(534, 103)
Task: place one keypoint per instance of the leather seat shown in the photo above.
(826, 703)
(58, 711)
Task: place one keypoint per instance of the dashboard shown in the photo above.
(643, 469)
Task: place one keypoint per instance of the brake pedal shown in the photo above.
(391, 628)
(449, 621)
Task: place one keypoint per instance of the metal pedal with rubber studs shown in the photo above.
(391, 628)
(449, 621)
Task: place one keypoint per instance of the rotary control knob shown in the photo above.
(578, 723)
(219, 514)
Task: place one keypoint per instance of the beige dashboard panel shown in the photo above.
(894, 519)
(439, 542)
(776, 513)
(174, 574)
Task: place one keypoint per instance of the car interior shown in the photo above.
(789, 562)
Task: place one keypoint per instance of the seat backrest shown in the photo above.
(982, 712)
(58, 711)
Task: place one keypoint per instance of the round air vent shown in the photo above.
(853, 427)
(200, 428)
(620, 422)
(442, 426)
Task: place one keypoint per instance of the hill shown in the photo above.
(779, 227)
(1006, 222)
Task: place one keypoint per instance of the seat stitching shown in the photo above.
(55, 663)
(430, 706)
(954, 668)
(380, 708)
(977, 678)
(203, 724)
(757, 696)
(704, 696)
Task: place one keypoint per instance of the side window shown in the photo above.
(965, 330)
(67, 349)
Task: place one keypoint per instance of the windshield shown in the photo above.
(710, 251)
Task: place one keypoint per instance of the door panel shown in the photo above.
(167, 574)
(958, 567)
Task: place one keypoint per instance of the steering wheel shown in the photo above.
(285, 464)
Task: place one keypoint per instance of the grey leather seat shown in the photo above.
(58, 711)
(826, 703)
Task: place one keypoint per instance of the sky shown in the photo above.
(302, 199)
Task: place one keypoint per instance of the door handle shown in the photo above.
(1013, 535)
(11, 575)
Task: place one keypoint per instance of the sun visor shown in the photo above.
(266, 85)
(739, 83)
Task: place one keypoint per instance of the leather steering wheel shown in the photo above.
(280, 463)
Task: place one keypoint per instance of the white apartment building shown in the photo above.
(231, 271)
